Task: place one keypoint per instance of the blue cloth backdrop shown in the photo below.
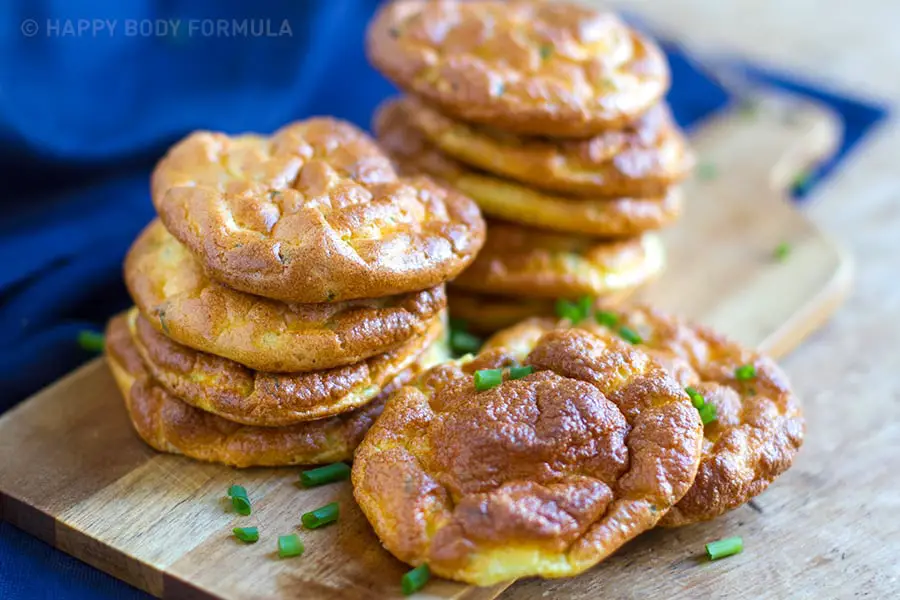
(85, 110)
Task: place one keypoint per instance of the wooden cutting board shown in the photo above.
(74, 474)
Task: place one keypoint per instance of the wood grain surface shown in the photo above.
(74, 474)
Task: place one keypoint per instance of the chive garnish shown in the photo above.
(289, 545)
(607, 318)
(707, 171)
(546, 51)
(630, 335)
(92, 341)
(707, 413)
(415, 580)
(574, 311)
(327, 474)
(239, 499)
(486, 379)
(463, 342)
(585, 305)
(248, 535)
(321, 516)
(520, 372)
(745, 372)
(782, 251)
(723, 548)
(697, 398)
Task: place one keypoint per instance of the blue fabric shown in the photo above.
(83, 117)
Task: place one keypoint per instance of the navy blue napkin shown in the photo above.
(84, 117)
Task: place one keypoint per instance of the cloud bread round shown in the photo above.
(511, 201)
(172, 290)
(544, 475)
(759, 427)
(643, 159)
(234, 392)
(314, 213)
(169, 425)
(556, 69)
(524, 261)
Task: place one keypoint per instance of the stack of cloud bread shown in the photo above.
(289, 283)
(551, 116)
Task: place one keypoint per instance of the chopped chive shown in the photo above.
(415, 580)
(782, 251)
(745, 372)
(463, 342)
(607, 318)
(486, 379)
(697, 398)
(723, 548)
(707, 171)
(707, 413)
(520, 372)
(566, 309)
(92, 341)
(327, 474)
(585, 305)
(248, 535)
(289, 545)
(321, 516)
(629, 335)
(460, 324)
(239, 499)
(546, 51)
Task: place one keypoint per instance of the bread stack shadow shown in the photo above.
(289, 284)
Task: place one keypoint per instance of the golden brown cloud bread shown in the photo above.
(169, 425)
(508, 200)
(545, 475)
(239, 394)
(556, 69)
(759, 427)
(314, 213)
(518, 260)
(643, 159)
(172, 290)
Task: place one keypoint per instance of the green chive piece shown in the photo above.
(463, 342)
(585, 305)
(707, 171)
(92, 341)
(707, 413)
(566, 309)
(460, 324)
(415, 580)
(697, 398)
(486, 379)
(327, 474)
(630, 335)
(248, 535)
(745, 372)
(782, 251)
(520, 372)
(607, 318)
(239, 499)
(546, 51)
(289, 545)
(725, 547)
(321, 516)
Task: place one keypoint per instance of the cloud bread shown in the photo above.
(544, 475)
(557, 69)
(180, 300)
(314, 213)
(759, 426)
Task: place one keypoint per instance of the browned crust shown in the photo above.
(174, 293)
(556, 69)
(314, 213)
(234, 392)
(511, 201)
(534, 263)
(641, 160)
(169, 425)
(760, 425)
(562, 466)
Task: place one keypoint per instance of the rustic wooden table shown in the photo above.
(831, 528)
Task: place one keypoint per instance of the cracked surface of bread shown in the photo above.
(169, 425)
(643, 159)
(313, 213)
(172, 290)
(541, 68)
(759, 427)
(505, 199)
(232, 391)
(531, 262)
(541, 476)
